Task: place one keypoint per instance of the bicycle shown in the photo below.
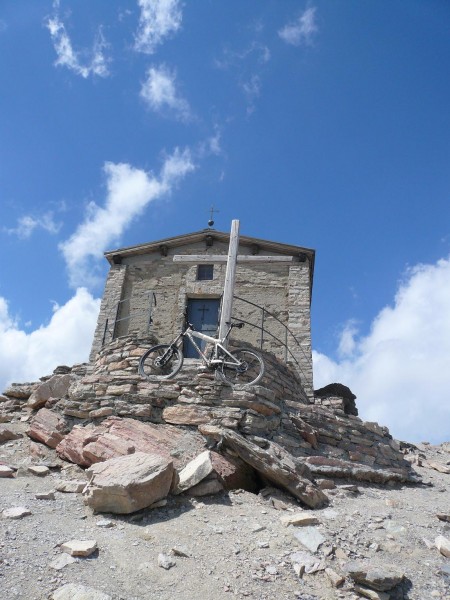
(238, 367)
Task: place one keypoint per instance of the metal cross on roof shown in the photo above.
(211, 215)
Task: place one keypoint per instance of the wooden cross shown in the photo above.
(230, 274)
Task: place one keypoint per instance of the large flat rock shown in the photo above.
(275, 464)
(129, 483)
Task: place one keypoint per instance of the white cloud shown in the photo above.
(400, 371)
(66, 339)
(302, 30)
(160, 93)
(27, 224)
(97, 64)
(129, 191)
(158, 20)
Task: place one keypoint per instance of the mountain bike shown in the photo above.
(237, 367)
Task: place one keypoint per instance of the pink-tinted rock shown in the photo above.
(233, 473)
(72, 446)
(308, 433)
(118, 437)
(47, 427)
(107, 446)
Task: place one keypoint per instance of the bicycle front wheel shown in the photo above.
(247, 368)
(160, 362)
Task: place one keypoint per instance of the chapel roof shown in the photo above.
(209, 236)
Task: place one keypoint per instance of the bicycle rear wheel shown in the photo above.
(247, 371)
(160, 362)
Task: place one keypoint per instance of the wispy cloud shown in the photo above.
(302, 30)
(129, 191)
(252, 90)
(400, 370)
(160, 93)
(27, 224)
(96, 62)
(248, 64)
(254, 51)
(158, 20)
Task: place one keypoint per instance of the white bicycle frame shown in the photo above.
(215, 360)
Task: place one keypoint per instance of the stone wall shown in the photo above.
(112, 386)
(108, 308)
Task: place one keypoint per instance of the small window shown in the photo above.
(205, 272)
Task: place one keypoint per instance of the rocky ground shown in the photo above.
(230, 545)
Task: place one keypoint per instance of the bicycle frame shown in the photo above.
(227, 358)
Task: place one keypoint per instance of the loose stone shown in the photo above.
(38, 470)
(74, 591)
(45, 496)
(79, 547)
(17, 512)
(6, 471)
(443, 545)
(165, 562)
(299, 519)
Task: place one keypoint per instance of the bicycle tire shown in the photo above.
(249, 373)
(149, 369)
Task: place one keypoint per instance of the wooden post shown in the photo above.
(230, 275)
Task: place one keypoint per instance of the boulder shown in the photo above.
(47, 427)
(55, 387)
(128, 483)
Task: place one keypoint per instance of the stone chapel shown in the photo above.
(150, 294)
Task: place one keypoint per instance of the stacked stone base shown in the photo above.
(276, 411)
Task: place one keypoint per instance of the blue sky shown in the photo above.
(323, 124)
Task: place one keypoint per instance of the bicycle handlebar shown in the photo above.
(231, 325)
(238, 325)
